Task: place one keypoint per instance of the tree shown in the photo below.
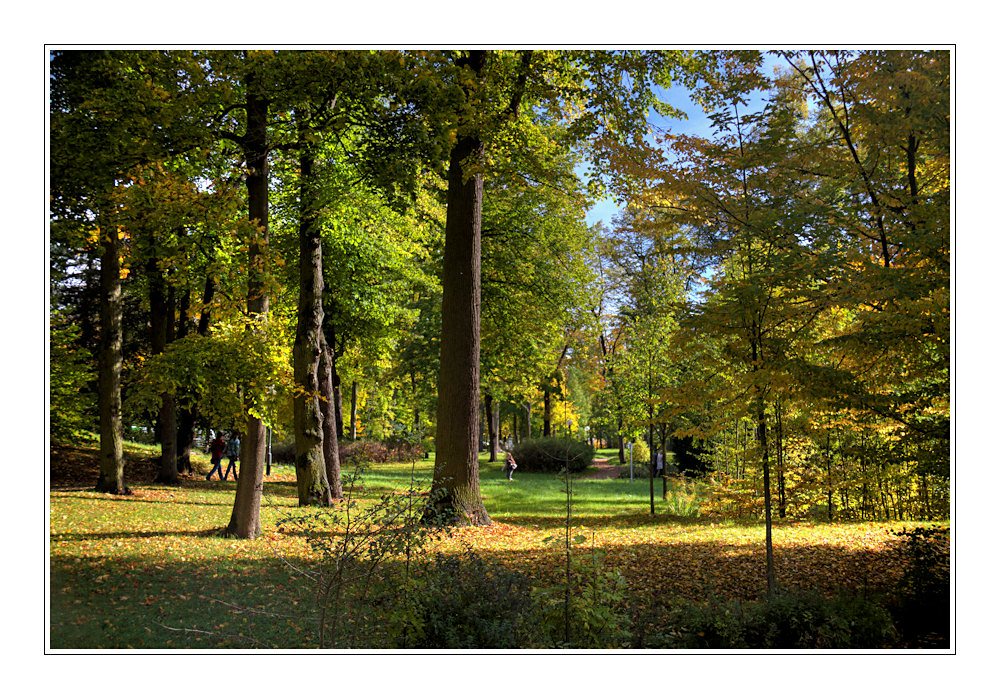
(109, 115)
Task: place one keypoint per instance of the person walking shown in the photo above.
(509, 466)
(233, 452)
(216, 448)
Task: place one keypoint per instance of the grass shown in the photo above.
(150, 571)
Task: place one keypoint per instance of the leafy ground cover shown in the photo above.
(150, 570)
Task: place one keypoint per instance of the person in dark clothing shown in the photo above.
(217, 447)
(233, 452)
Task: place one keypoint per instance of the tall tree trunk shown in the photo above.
(779, 443)
(456, 463)
(491, 425)
(331, 445)
(354, 410)
(111, 478)
(338, 401)
(245, 520)
(527, 420)
(310, 466)
(546, 414)
(768, 545)
(161, 317)
(187, 417)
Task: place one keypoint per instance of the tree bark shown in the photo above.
(310, 466)
(245, 520)
(354, 410)
(491, 425)
(111, 478)
(455, 488)
(768, 544)
(331, 445)
(187, 417)
(161, 320)
(546, 414)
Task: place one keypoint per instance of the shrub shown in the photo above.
(597, 617)
(466, 602)
(363, 451)
(640, 453)
(790, 620)
(923, 604)
(551, 455)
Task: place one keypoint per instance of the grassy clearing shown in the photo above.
(150, 571)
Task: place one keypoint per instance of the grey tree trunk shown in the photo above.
(331, 445)
(310, 466)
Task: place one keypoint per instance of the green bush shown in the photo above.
(466, 602)
(551, 455)
(640, 453)
(71, 404)
(790, 620)
(597, 616)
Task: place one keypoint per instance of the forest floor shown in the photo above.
(150, 570)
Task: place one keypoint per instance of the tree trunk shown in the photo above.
(527, 420)
(491, 425)
(331, 445)
(245, 520)
(354, 410)
(187, 417)
(338, 402)
(455, 488)
(546, 414)
(310, 467)
(161, 320)
(111, 478)
(762, 445)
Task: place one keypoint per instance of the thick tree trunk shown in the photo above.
(331, 446)
(527, 420)
(310, 467)
(111, 478)
(245, 520)
(455, 488)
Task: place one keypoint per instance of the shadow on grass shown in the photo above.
(104, 536)
(155, 604)
(234, 602)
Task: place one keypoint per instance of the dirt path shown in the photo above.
(604, 469)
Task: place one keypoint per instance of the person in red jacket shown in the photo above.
(217, 447)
